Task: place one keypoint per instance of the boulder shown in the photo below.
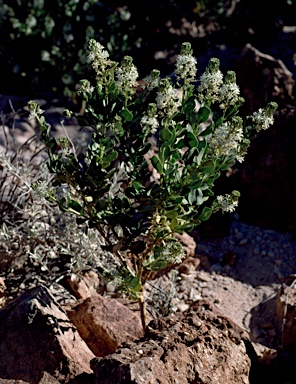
(38, 341)
(198, 346)
(286, 312)
(104, 324)
(84, 286)
(263, 78)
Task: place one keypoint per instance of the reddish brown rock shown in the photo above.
(37, 341)
(198, 346)
(286, 311)
(85, 286)
(104, 324)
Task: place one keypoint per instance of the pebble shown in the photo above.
(256, 251)
(275, 245)
(182, 307)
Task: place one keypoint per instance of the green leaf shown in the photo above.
(157, 164)
(208, 166)
(227, 165)
(200, 156)
(126, 114)
(204, 113)
(192, 196)
(174, 223)
(134, 283)
(137, 186)
(166, 134)
(158, 265)
(191, 140)
(195, 184)
(190, 105)
(205, 214)
(110, 157)
(172, 214)
(74, 206)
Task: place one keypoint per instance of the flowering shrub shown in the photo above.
(157, 149)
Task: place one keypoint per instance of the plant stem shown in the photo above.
(142, 305)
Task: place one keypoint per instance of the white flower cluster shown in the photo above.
(127, 74)
(186, 64)
(210, 82)
(152, 81)
(35, 110)
(85, 87)
(229, 91)
(98, 56)
(262, 120)
(173, 252)
(167, 97)
(228, 203)
(150, 120)
(186, 68)
(226, 139)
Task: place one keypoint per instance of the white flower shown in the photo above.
(151, 123)
(173, 252)
(127, 74)
(186, 68)
(229, 91)
(150, 119)
(210, 82)
(226, 139)
(263, 118)
(35, 110)
(167, 97)
(85, 87)
(98, 56)
(152, 81)
(228, 203)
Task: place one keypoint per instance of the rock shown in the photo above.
(2, 288)
(37, 341)
(197, 346)
(286, 312)
(263, 78)
(104, 324)
(265, 355)
(4, 381)
(85, 286)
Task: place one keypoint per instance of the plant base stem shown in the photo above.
(142, 305)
